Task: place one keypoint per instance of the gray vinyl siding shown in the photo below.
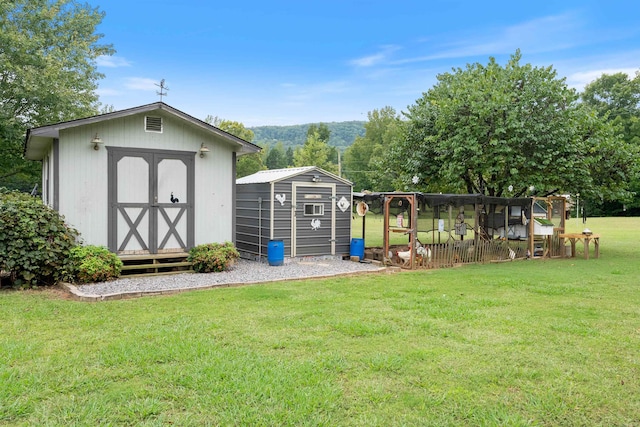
(277, 218)
(282, 215)
(249, 228)
(343, 220)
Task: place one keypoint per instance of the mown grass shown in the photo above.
(553, 342)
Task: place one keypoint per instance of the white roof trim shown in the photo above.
(275, 175)
(53, 131)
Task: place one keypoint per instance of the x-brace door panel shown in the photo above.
(151, 206)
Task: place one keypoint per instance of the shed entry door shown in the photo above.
(313, 230)
(150, 201)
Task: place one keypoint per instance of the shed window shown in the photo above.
(313, 209)
(153, 124)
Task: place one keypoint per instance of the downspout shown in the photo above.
(260, 229)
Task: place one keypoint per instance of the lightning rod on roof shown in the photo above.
(163, 88)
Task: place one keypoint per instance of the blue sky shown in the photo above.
(295, 62)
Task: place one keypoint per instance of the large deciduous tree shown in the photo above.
(315, 152)
(276, 158)
(363, 159)
(322, 129)
(615, 95)
(48, 74)
(616, 98)
(322, 132)
(500, 130)
(249, 163)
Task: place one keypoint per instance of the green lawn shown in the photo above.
(543, 342)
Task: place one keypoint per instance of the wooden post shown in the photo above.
(506, 224)
(433, 226)
(449, 225)
(476, 225)
(434, 211)
(413, 230)
(531, 238)
(585, 242)
(385, 234)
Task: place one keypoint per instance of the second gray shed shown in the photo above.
(308, 208)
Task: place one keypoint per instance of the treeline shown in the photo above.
(342, 134)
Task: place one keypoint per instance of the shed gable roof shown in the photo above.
(275, 175)
(53, 130)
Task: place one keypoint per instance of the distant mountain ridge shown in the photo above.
(342, 134)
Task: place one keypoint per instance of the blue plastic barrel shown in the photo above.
(275, 252)
(357, 248)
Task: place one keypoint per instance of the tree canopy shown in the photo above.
(615, 95)
(315, 152)
(48, 74)
(249, 163)
(342, 134)
(501, 130)
(362, 160)
(616, 98)
(276, 157)
(324, 134)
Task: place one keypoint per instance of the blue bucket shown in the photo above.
(275, 252)
(357, 248)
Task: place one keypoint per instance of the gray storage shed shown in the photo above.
(308, 208)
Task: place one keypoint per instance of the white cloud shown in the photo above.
(112, 61)
(141, 83)
(546, 34)
(377, 58)
(580, 79)
(368, 61)
(581, 70)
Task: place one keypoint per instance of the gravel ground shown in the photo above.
(243, 272)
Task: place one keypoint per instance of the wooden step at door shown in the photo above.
(155, 264)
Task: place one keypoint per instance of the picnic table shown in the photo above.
(586, 239)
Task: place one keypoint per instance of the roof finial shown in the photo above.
(163, 88)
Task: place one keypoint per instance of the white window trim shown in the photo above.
(318, 209)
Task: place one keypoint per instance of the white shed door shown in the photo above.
(151, 201)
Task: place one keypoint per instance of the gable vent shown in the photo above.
(153, 124)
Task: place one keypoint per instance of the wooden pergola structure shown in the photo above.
(502, 228)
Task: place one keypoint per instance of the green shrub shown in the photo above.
(213, 257)
(94, 264)
(34, 241)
